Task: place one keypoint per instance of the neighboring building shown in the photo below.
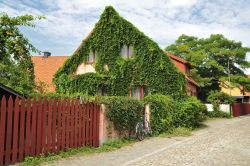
(7, 92)
(184, 66)
(45, 66)
(240, 95)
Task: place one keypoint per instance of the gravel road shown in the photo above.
(224, 142)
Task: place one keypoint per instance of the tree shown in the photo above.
(16, 67)
(216, 98)
(242, 82)
(210, 58)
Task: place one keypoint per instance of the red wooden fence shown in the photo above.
(31, 127)
(240, 109)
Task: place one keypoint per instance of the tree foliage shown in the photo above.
(210, 57)
(217, 98)
(16, 67)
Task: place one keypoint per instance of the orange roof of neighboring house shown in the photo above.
(176, 58)
(190, 80)
(45, 68)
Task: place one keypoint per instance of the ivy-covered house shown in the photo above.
(117, 59)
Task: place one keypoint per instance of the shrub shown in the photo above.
(189, 112)
(124, 112)
(218, 114)
(161, 109)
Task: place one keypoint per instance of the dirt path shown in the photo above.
(223, 142)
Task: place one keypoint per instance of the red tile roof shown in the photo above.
(45, 68)
(176, 58)
(184, 62)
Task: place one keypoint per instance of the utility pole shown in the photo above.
(229, 84)
(229, 79)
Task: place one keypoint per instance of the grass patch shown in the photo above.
(110, 145)
(177, 132)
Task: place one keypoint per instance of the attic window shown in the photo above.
(138, 92)
(92, 57)
(127, 51)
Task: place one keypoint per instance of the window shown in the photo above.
(138, 92)
(92, 57)
(127, 51)
(102, 92)
(124, 52)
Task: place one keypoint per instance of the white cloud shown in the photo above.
(68, 22)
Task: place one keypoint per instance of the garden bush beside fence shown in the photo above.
(165, 112)
(189, 112)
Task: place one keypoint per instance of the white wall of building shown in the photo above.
(223, 107)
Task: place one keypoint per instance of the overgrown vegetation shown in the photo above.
(161, 112)
(115, 75)
(124, 112)
(106, 147)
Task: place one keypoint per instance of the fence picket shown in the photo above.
(39, 127)
(76, 123)
(2, 129)
(87, 124)
(72, 124)
(44, 126)
(9, 131)
(33, 128)
(49, 126)
(97, 125)
(15, 131)
(68, 117)
(84, 124)
(80, 124)
(58, 136)
(54, 125)
(94, 125)
(91, 124)
(21, 136)
(27, 128)
(63, 123)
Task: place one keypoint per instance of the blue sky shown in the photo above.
(68, 22)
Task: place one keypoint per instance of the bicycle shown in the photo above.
(143, 128)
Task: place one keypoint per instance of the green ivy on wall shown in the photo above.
(149, 66)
